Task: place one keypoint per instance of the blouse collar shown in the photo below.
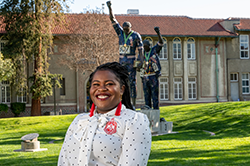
(116, 111)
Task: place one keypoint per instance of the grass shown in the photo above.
(191, 146)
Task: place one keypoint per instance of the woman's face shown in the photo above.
(105, 91)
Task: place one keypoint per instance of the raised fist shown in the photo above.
(157, 29)
(108, 3)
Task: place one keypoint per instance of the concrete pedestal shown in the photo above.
(154, 119)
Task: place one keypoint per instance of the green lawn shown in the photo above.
(191, 146)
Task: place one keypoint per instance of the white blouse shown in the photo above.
(107, 140)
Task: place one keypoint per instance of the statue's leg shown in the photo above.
(146, 91)
(155, 91)
(132, 80)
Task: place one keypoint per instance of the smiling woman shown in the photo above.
(112, 134)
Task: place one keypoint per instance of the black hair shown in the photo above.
(122, 75)
(146, 42)
(127, 24)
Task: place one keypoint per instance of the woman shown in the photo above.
(112, 134)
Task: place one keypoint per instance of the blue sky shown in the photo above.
(191, 8)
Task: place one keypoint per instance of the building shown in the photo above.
(203, 60)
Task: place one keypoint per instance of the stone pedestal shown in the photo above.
(166, 127)
(154, 119)
(157, 127)
(30, 144)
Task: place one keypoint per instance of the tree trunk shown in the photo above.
(36, 102)
(36, 107)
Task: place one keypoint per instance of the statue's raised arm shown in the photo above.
(111, 15)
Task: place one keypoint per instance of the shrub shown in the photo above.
(17, 108)
(4, 107)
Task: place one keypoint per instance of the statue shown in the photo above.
(129, 40)
(151, 70)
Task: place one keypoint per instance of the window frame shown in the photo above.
(193, 87)
(177, 42)
(234, 80)
(243, 50)
(2, 42)
(191, 42)
(164, 51)
(179, 87)
(63, 88)
(163, 87)
(246, 86)
(23, 97)
(4, 89)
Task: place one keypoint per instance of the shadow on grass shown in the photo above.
(43, 137)
(186, 135)
(27, 161)
(229, 157)
(224, 119)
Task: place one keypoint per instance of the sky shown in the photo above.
(191, 8)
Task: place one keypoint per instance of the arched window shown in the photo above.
(164, 50)
(191, 48)
(177, 48)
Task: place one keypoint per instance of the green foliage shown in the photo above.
(4, 107)
(17, 108)
(44, 84)
(6, 68)
(28, 25)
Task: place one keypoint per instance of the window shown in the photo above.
(234, 77)
(191, 88)
(177, 48)
(178, 88)
(164, 50)
(244, 47)
(245, 83)
(2, 43)
(23, 96)
(62, 89)
(163, 88)
(5, 92)
(191, 48)
(150, 41)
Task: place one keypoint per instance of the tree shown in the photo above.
(91, 43)
(28, 25)
(6, 68)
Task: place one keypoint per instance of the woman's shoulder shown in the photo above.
(81, 116)
(132, 115)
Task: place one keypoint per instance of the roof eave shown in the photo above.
(178, 35)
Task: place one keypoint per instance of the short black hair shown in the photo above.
(127, 24)
(122, 76)
(146, 42)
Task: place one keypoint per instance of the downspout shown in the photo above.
(217, 68)
(77, 93)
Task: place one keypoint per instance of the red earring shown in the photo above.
(118, 110)
(92, 110)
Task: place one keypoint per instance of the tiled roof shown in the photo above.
(175, 25)
(244, 24)
(169, 25)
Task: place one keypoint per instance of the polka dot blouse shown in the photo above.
(107, 140)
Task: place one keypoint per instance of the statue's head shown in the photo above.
(146, 45)
(126, 27)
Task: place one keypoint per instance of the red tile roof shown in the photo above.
(175, 25)
(169, 25)
(244, 24)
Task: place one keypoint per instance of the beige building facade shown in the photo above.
(203, 60)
